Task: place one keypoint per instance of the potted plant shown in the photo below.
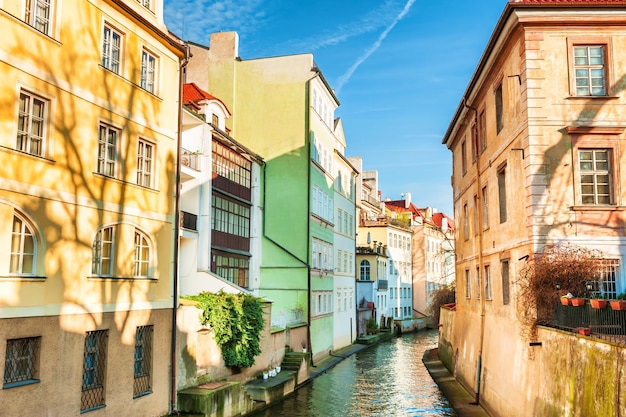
(619, 303)
(566, 299)
(585, 331)
(598, 300)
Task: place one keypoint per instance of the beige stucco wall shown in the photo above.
(538, 157)
(567, 375)
(200, 358)
(61, 365)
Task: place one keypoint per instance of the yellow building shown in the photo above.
(538, 145)
(89, 96)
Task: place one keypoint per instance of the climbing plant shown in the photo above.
(236, 321)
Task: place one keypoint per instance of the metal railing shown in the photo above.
(604, 323)
(190, 159)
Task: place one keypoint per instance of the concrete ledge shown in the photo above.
(458, 397)
(272, 389)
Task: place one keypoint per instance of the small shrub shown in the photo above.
(439, 297)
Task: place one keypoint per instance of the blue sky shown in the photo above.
(398, 67)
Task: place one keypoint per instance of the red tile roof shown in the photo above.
(192, 94)
(436, 218)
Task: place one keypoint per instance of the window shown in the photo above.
(23, 248)
(474, 142)
(145, 155)
(464, 157)
(231, 267)
(502, 193)
(322, 256)
(323, 205)
(504, 266)
(468, 284)
(142, 256)
(365, 270)
(145, 3)
(485, 213)
(478, 287)
(595, 176)
(231, 165)
(21, 363)
(94, 370)
(107, 150)
(111, 44)
(499, 109)
(37, 14)
(143, 361)
(102, 262)
(465, 222)
(606, 277)
(229, 216)
(482, 131)
(148, 71)
(488, 295)
(31, 124)
(590, 70)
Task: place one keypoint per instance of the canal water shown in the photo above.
(385, 380)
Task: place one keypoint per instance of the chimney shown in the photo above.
(224, 45)
(407, 200)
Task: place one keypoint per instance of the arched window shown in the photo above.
(23, 247)
(365, 270)
(142, 256)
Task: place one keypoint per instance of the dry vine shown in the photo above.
(566, 266)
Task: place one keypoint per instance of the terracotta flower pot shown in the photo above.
(565, 301)
(578, 302)
(598, 303)
(585, 331)
(618, 304)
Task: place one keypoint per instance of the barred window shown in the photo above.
(21, 364)
(606, 277)
(94, 370)
(143, 361)
(231, 165)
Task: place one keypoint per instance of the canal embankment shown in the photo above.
(460, 399)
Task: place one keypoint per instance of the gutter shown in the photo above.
(175, 277)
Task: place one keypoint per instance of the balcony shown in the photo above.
(601, 323)
(189, 221)
(190, 159)
(383, 284)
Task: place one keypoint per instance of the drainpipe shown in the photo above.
(480, 260)
(173, 357)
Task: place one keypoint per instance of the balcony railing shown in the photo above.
(190, 159)
(602, 323)
(188, 221)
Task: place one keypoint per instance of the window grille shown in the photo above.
(94, 371)
(143, 361)
(21, 364)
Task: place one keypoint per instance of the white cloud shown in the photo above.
(348, 74)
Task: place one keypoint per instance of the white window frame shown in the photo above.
(145, 163)
(32, 124)
(142, 256)
(108, 150)
(38, 14)
(595, 173)
(18, 255)
(149, 64)
(104, 243)
(112, 41)
(590, 76)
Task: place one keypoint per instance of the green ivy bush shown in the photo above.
(237, 323)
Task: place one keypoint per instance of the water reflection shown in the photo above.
(385, 380)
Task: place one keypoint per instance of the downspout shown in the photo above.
(307, 140)
(173, 357)
(480, 260)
